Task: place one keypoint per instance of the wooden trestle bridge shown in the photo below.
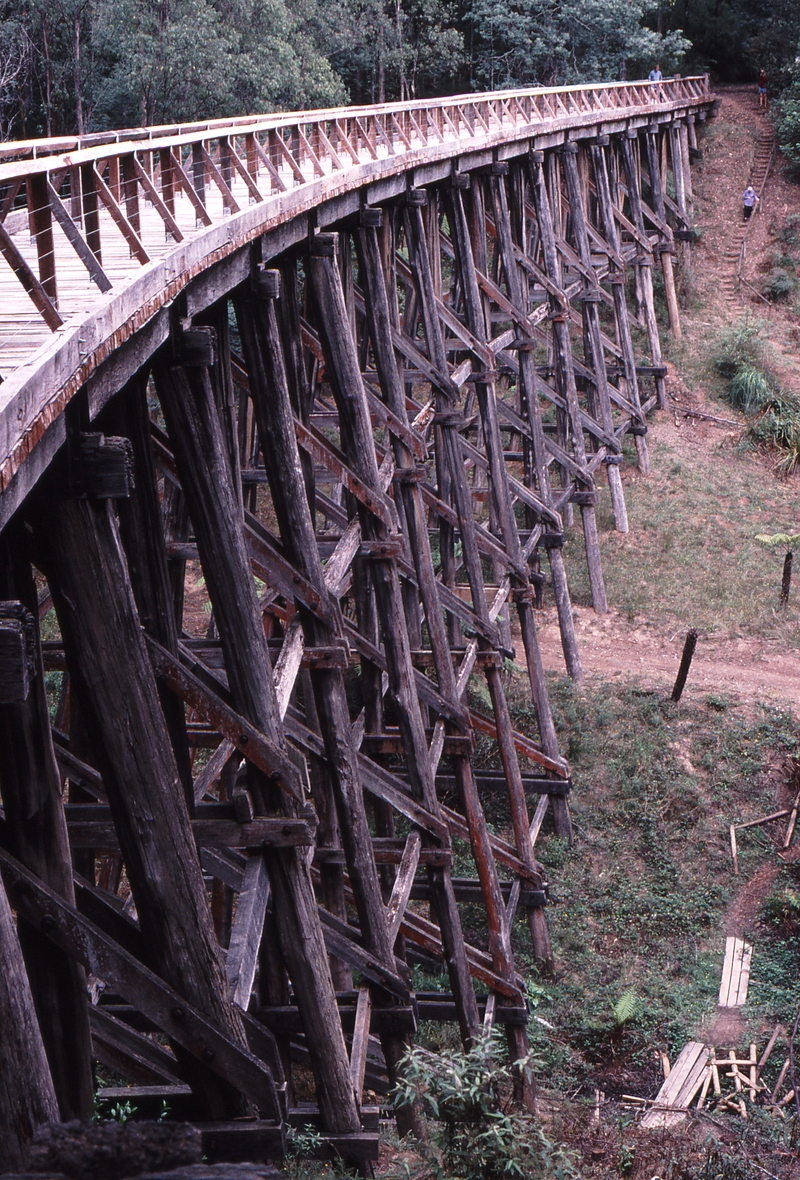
(339, 376)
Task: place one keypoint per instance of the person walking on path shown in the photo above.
(749, 202)
(761, 87)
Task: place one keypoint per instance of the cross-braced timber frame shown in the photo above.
(355, 368)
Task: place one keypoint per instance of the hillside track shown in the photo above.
(740, 105)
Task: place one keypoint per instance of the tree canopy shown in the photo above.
(78, 65)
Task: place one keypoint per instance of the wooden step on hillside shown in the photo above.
(735, 973)
(684, 1081)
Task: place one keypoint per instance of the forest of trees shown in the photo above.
(81, 65)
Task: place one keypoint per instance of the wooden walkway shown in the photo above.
(735, 973)
(97, 235)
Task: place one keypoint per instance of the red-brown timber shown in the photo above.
(295, 475)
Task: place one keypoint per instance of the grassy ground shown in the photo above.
(640, 902)
(691, 558)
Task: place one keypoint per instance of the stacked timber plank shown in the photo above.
(683, 1083)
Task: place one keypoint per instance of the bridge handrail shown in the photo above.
(261, 172)
(618, 95)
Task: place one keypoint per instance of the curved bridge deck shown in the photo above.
(102, 215)
(295, 413)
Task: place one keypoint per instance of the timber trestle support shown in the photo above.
(308, 405)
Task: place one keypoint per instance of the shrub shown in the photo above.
(783, 908)
(475, 1134)
(778, 429)
(738, 345)
(749, 390)
(780, 285)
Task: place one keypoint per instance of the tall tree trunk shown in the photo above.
(76, 68)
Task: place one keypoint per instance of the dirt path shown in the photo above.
(753, 670)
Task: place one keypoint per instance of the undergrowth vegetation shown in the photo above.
(476, 1131)
(638, 905)
(773, 411)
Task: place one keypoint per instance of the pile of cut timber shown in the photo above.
(686, 1077)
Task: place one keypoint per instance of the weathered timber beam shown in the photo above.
(77, 241)
(404, 881)
(340, 940)
(99, 954)
(79, 545)
(254, 745)
(206, 477)
(260, 832)
(27, 1097)
(38, 295)
(135, 1055)
(376, 780)
(324, 452)
(245, 941)
(34, 831)
(120, 220)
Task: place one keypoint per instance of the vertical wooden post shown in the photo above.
(142, 535)
(667, 245)
(113, 177)
(566, 375)
(110, 670)
(645, 260)
(75, 203)
(201, 455)
(270, 388)
(130, 190)
(167, 179)
(592, 334)
(606, 205)
(199, 171)
(27, 1097)
(474, 314)
(408, 490)
(530, 404)
(41, 226)
(91, 218)
(679, 170)
(448, 444)
(345, 376)
(36, 834)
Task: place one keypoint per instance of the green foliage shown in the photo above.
(637, 906)
(782, 908)
(778, 429)
(778, 540)
(474, 1132)
(739, 345)
(79, 65)
(780, 284)
(626, 1006)
(194, 59)
(749, 390)
(740, 355)
(537, 41)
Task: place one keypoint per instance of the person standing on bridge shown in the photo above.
(749, 201)
(655, 74)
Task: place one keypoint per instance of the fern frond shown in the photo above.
(626, 1006)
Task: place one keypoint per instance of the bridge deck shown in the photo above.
(274, 167)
